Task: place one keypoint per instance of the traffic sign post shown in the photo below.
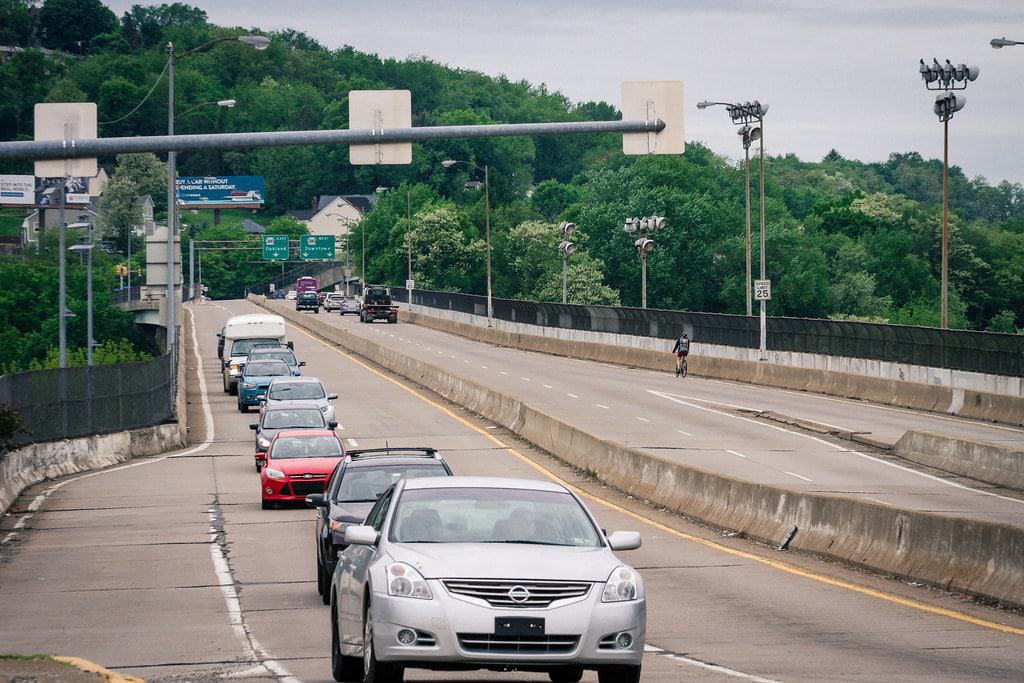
(275, 247)
(316, 247)
(762, 290)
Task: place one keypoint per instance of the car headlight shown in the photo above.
(621, 585)
(405, 582)
(273, 474)
(264, 443)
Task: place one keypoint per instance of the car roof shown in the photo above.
(483, 482)
(305, 379)
(303, 433)
(290, 405)
(389, 460)
(267, 348)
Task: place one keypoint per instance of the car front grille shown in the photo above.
(498, 593)
(304, 488)
(517, 645)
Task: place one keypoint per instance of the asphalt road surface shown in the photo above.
(696, 421)
(166, 568)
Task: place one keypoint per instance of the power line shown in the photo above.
(156, 83)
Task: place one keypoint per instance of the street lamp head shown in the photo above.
(448, 163)
(82, 247)
(226, 103)
(755, 133)
(566, 247)
(998, 43)
(704, 105)
(258, 42)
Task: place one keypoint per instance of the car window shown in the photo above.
(242, 347)
(296, 391)
(293, 418)
(380, 511)
(306, 447)
(365, 484)
(492, 515)
(267, 368)
(282, 355)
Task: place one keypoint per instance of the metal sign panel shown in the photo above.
(240, 191)
(650, 101)
(316, 247)
(410, 284)
(762, 290)
(47, 191)
(65, 121)
(378, 110)
(17, 190)
(275, 247)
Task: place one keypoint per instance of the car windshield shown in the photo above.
(306, 447)
(285, 355)
(492, 515)
(242, 347)
(365, 484)
(293, 418)
(308, 295)
(297, 391)
(267, 368)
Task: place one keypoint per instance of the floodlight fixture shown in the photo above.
(258, 42)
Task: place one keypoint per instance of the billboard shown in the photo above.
(29, 191)
(221, 192)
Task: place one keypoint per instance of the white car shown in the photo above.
(292, 295)
(333, 301)
(305, 389)
(456, 573)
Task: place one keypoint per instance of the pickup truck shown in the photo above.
(377, 305)
(307, 301)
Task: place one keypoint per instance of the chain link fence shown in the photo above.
(81, 401)
(987, 352)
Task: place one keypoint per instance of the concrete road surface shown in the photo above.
(695, 421)
(166, 568)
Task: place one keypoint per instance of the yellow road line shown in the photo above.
(775, 564)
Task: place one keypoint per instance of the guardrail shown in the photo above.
(985, 352)
(82, 401)
(126, 294)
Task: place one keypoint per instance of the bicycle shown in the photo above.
(681, 366)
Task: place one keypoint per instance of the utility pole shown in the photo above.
(408, 248)
(191, 269)
(172, 205)
(644, 245)
(566, 248)
(764, 276)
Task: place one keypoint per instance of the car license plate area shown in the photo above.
(518, 626)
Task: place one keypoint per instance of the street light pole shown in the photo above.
(172, 206)
(448, 163)
(764, 276)
(644, 245)
(62, 335)
(408, 248)
(566, 247)
(944, 293)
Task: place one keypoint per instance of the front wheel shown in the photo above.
(682, 368)
(267, 504)
(619, 674)
(342, 668)
(373, 670)
(242, 408)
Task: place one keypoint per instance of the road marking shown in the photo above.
(736, 453)
(875, 500)
(684, 433)
(953, 484)
(502, 372)
(466, 362)
(735, 552)
(572, 395)
(717, 668)
(525, 379)
(484, 367)
(548, 386)
(602, 406)
(642, 419)
(794, 474)
(353, 443)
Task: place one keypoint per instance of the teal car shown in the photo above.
(256, 376)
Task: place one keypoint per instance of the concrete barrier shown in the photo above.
(906, 394)
(974, 557)
(38, 462)
(987, 462)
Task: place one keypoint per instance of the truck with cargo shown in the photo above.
(377, 305)
(241, 334)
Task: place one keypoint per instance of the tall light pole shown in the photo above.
(644, 245)
(86, 248)
(998, 43)
(744, 114)
(448, 163)
(408, 249)
(258, 42)
(946, 77)
(565, 247)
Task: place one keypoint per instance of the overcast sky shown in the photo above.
(836, 73)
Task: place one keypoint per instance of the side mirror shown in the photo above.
(254, 426)
(302, 363)
(361, 535)
(331, 397)
(332, 425)
(291, 345)
(316, 500)
(624, 540)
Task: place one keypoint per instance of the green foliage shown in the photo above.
(11, 424)
(71, 24)
(136, 175)
(230, 274)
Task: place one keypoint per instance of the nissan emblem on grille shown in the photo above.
(518, 594)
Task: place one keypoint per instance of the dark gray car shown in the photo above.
(287, 415)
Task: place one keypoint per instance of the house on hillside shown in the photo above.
(145, 204)
(334, 214)
(42, 219)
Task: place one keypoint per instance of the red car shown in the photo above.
(298, 462)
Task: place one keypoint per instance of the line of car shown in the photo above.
(425, 569)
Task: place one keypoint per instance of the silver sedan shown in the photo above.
(455, 573)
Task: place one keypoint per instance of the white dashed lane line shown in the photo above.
(353, 443)
(548, 386)
(502, 372)
(792, 474)
(602, 406)
(736, 453)
(642, 419)
(572, 395)
(684, 433)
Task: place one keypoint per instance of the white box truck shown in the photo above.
(243, 332)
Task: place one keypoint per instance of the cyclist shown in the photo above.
(681, 349)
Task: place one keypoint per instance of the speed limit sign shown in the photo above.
(762, 290)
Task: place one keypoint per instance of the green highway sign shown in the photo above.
(316, 247)
(275, 247)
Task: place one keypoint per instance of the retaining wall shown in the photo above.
(654, 354)
(965, 555)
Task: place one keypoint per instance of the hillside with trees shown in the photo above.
(845, 239)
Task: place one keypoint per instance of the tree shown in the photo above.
(136, 175)
(444, 255)
(71, 24)
(17, 27)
